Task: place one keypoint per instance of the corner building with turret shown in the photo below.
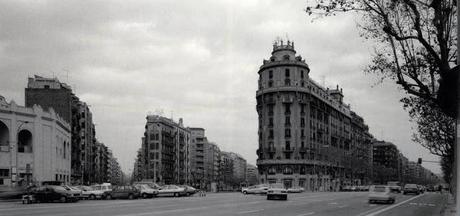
(305, 130)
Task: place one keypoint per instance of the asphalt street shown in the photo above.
(302, 204)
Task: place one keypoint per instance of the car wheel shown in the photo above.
(187, 194)
(109, 197)
(63, 199)
(176, 194)
(245, 192)
(269, 198)
(92, 196)
(144, 195)
(130, 196)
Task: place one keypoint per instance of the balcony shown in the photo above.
(270, 101)
(288, 149)
(303, 149)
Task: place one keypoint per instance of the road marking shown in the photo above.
(343, 206)
(393, 206)
(306, 214)
(249, 212)
(333, 203)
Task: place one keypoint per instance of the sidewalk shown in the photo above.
(449, 210)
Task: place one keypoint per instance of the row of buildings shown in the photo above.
(307, 135)
(171, 153)
(52, 138)
(391, 165)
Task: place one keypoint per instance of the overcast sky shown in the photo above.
(193, 60)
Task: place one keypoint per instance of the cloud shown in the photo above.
(198, 61)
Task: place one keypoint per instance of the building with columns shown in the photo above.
(305, 130)
(35, 145)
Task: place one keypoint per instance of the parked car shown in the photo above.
(77, 192)
(146, 191)
(172, 190)
(51, 193)
(14, 192)
(122, 192)
(90, 192)
(381, 193)
(411, 188)
(277, 191)
(256, 189)
(103, 187)
(295, 190)
(189, 190)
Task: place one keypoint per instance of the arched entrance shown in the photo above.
(4, 138)
(24, 141)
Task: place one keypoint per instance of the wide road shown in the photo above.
(302, 204)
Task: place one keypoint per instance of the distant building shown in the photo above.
(204, 160)
(239, 167)
(226, 180)
(51, 93)
(102, 163)
(385, 162)
(34, 145)
(165, 150)
(252, 174)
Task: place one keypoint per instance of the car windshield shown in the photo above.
(59, 188)
(410, 186)
(86, 188)
(379, 189)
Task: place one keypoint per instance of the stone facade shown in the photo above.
(305, 130)
(34, 145)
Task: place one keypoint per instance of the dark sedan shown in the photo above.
(411, 188)
(122, 192)
(51, 193)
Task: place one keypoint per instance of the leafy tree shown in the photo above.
(415, 47)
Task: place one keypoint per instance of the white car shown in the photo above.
(256, 189)
(277, 191)
(90, 192)
(381, 193)
(171, 190)
(295, 190)
(146, 191)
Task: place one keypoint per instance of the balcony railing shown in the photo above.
(288, 149)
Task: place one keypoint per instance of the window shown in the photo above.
(4, 172)
(46, 86)
(270, 83)
(288, 145)
(270, 74)
(287, 82)
(270, 134)
(302, 133)
(301, 74)
(287, 133)
(302, 122)
(286, 73)
(287, 122)
(270, 122)
(270, 110)
(287, 110)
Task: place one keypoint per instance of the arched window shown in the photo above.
(4, 137)
(25, 141)
(286, 57)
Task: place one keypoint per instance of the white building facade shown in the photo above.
(34, 145)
